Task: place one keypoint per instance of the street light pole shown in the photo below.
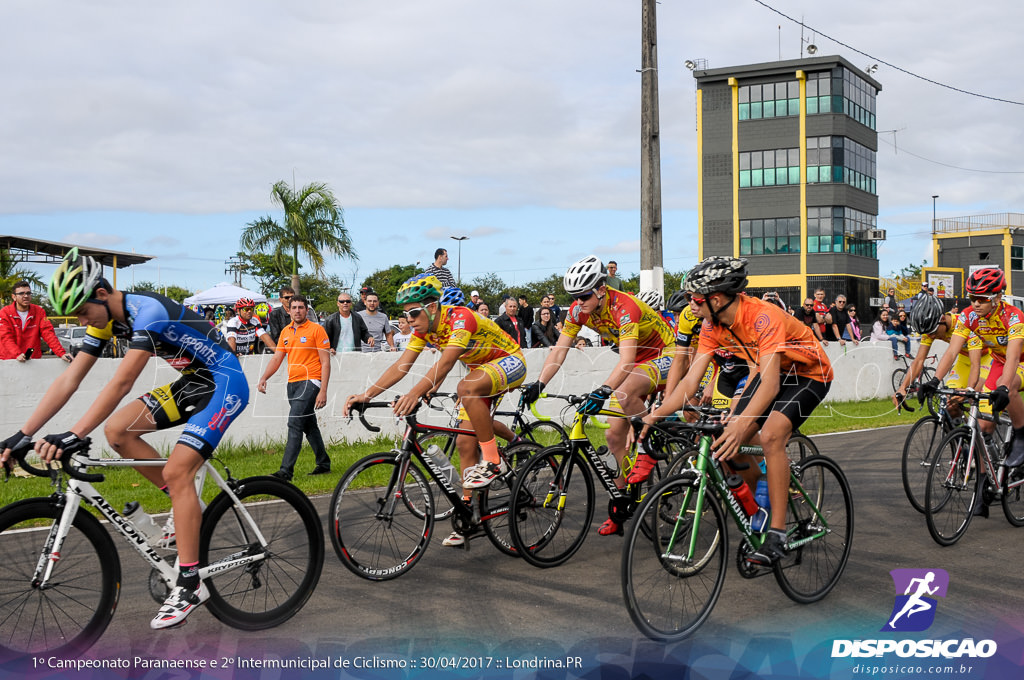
(935, 196)
(460, 239)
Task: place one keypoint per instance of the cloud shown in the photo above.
(166, 241)
(628, 247)
(91, 238)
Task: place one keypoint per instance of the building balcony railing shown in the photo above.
(977, 223)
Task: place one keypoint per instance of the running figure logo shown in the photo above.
(916, 590)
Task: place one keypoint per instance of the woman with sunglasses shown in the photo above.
(495, 362)
(646, 349)
(1001, 329)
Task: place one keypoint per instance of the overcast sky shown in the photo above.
(160, 127)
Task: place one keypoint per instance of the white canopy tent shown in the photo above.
(223, 293)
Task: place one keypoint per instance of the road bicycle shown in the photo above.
(548, 523)
(382, 512)
(967, 474)
(261, 542)
(671, 581)
(927, 371)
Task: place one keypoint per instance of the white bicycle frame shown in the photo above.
(79, 492)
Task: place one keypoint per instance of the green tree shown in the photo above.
(911, 272)
(322, 291)
(313, 224)
(386, 282)
(11, 272)
(491, 288)
(269, 279)
(176, 293)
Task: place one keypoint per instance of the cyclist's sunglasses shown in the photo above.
(411, 314)
(583, 297)
(982, 299)
(697, 300)
(244, 309)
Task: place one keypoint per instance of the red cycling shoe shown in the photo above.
(609, 528)
(641, 469)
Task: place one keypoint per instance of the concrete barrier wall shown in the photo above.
(862, 372)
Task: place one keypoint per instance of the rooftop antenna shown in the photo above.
(809, 42)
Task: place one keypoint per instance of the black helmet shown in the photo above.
(677, 301)
(926, 315)
(717, 274)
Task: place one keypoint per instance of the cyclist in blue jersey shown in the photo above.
(209, 394)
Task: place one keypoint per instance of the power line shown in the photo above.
(882, 61)
(896, 150)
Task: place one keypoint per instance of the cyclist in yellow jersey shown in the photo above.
(928, 319)
(1001, 328)
(646, 348)
(495, 361)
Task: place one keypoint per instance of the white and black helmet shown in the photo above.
(926, 315)
(653, 298)
(587, 274)
(717, 274)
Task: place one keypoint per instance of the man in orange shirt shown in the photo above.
(309, 370)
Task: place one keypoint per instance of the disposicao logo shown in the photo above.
(916, 603)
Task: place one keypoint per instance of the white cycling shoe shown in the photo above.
(178, 605)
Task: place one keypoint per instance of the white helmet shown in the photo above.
(653, 298)
(587, 274)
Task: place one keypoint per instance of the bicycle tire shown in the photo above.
(1013, 496)
(800, 447)
(370, 545)
(547, 532)
(496, 498)
(445, 441)
(670, 595)
(551, 433)
(922, 439)
(810, 571)
(72, 613)
(950, 494)
(897, 378)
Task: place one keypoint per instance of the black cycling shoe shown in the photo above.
(771, 551)
(1016, 456)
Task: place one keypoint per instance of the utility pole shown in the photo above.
(652, 271)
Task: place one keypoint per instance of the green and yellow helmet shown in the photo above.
(420, 288)
(74, 282)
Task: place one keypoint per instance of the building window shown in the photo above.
(840, 160)
(773, 236)
(1017, 258)
(769, 100)
(842, 91)
(773, 167)
(837, 229)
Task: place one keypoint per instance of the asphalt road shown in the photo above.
(478, 603)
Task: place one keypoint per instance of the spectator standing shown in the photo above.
(474, 300)
(23, 325)
(807, 317)
(548, 301)
(361, 304)
(403, 335)
(307, 348)
(838, 329)
(377, 323)
(483, 309)
(439, 270)
(244, 330)
(612, 281)
(509, 322)
(229, 314)
(889, 301)
(525, 315)
(821, 311)
(545, 332)
(346, 331)
(280, 317)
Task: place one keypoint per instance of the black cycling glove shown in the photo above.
(68, 442)
(1000, 398)
(531, 391)
(14, 441)
(927, 389)
(595, 400)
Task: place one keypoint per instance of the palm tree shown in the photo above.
(11, 273)
(313, 224)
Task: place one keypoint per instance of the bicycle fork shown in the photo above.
(55, 538)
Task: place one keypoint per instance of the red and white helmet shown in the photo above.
(988, 281)
(244, 302)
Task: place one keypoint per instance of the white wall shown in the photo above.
(862, 372)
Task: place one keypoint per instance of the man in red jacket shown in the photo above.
(21, 325)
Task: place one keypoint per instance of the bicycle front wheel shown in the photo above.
(671, 585)
(917, 457)
(380, 525)
(800, 447)
(819, 523)
(545, 433)
(953, 486)
(548, 521)
(897, 378)
(1013, 496)
(72, 611)
(496, 498)
(267, 592)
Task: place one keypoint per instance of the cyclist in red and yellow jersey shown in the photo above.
(646, 348)
(495, 362)
(1001, 328)
(793, 376)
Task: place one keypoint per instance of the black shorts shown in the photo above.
(797, 398)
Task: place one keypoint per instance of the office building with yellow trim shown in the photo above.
(787, 176)
(963, 244)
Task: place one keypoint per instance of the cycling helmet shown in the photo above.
(451, 295)
(245, 302)
(420, 288)
(74, 282)
(986, 282)
(926, 315)
(587, 274)
(653, 298)
(678, 301)
(717, 274)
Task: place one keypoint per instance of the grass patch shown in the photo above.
(262, 458)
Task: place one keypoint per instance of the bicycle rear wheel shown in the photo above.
(917, 457)
(496, 499)
(820, 520)
(549, 523)
(71, 613)
(800, 447)
(897, 378)
(374, 528)
(671, 585)
(952, 488)
(1013, 496)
